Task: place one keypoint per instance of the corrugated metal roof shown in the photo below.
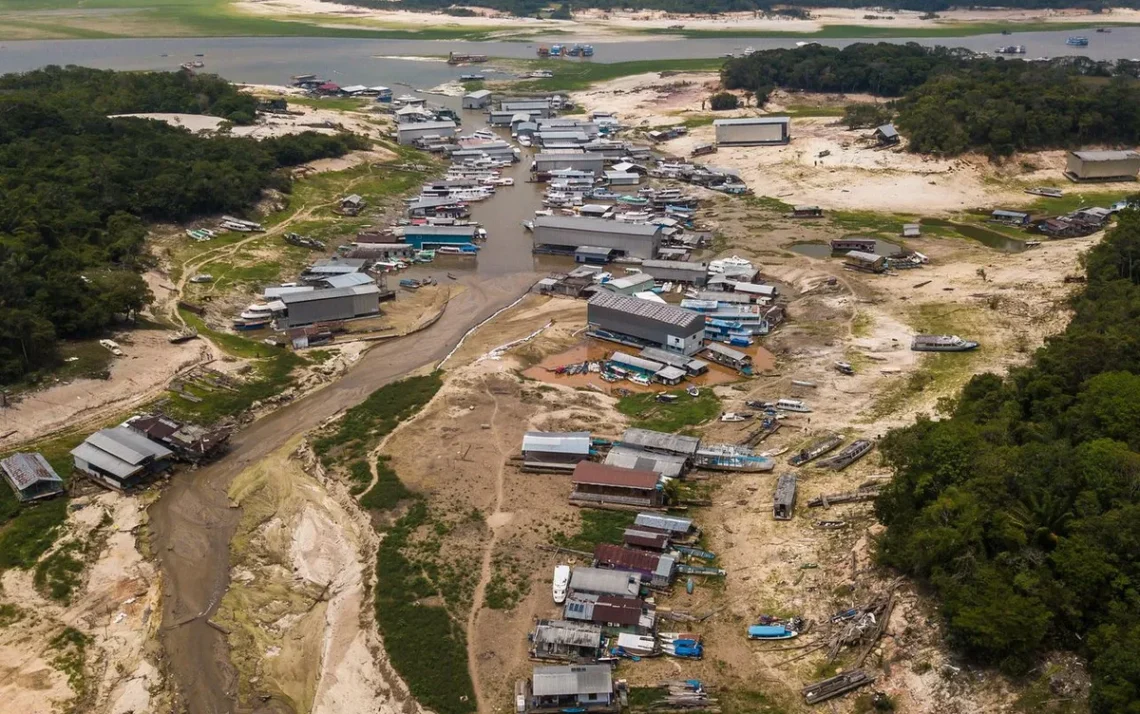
(668, 465)
(104, 461)
(347, 280)
(593, 250)
(24, 470)
(745, 121)
(675, 316)
(664, 523)
(685, 265)
(557, 442)
(565, 632)
(605, 582)
(674, 443)
(629, 559)
(593, 474)
(572, 680)
(331, 294)
(638, 362)
(671, 372)
(461, 231)
(277, 292)
(628, 282)
(596, 225)
(426, 126)
(887, 130)
(1009, 214)
(1105, 155)
(478, 94)
(127, 445)
(864, 256)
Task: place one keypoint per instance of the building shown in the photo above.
(499, 117)
(1103, 165)
(548, 161)
(31, 476)
(567, 233)
(807, 212)
(543, 106)
(628, 457)
(187, 441)
(584, 688)
(629, 284)
(413, 115)
(728, 357)
(329, 306)
(867, 262)
(692, 367)
(842, 245)
(597, 483)
(438, 206)
(1012, 218)
(120, 457)
(887, 135)
(911, 230)
(479, 99)
(555, 451)
(647, 539)
(784, 500)
(629, 320)
(596, 581)
(677, 528)
(426, 236)
(619, 178)
(347, 280)
(612, 612)
(657, 569)
(567, 640)
(352, 205)
(681, 271)
(333, 266)
(408, 133)
(660, 443)
(593, 255)
(752, 131)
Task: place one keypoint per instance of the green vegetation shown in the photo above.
(359, 477)
(59, 574)
(79, 188)
(1020, 508)
(508, 585)
(10, 614)
(596, 526)
(722, 101)
(31, 532)
(375, 417)
(569, 76)
(866, 116)
(645, 412)
(388, 490)
(70, 647)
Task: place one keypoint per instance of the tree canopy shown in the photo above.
(77, 190)
(1022, 508)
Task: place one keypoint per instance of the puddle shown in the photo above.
(823, 251)
(985, 236)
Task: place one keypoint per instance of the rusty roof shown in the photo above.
(24, 470)
(626, 558)
(595, 474)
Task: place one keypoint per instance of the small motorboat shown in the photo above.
(693, 392)
(771, 632)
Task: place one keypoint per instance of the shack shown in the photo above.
(647, 539)
(807, 212)
(188, 442)
(352, 205)
(677, 528)
(613, 612)
(1011, 218)
(911, 230)
(866, 262)
(479, 99)
(752, 131)
(728, 357)
(784, 500)
(842, 245)
(120, 458)
(1102, 165)
(329, 306)
(31, 476)
(595, 484)
(642, 323)
(568, 233)
(584, 688)
(667, 465)
(597, 581)
(618, 178)
(887, 135)
(566, 640)
(555, 451)
(657, 569)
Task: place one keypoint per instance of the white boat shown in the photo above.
(693, 391)
(792, 405)
(561, 583)
(544, 212)
(733, 416)
(257, 311)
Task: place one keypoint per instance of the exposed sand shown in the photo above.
(303, 118)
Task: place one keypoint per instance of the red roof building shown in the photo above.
(598, 483)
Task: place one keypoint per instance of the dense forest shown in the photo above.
(1022, 507)
(951, 101)
(77, 188)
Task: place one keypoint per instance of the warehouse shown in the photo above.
(1103, 165)
(31, 476)
(120, 458)
(555, 450)
(408, 133)
(596, 483)
(329, 306)
(629, 320)
(657, 569)
(682, 271)
(629, 284)
(752, 131)
(421, 237)
(596, 581)
(479, 99)
(567, 233)
(549, 161)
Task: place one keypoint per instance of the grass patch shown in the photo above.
(340, 104)
(862, 324)
(59, 574)
(869, 222)
(10, 614)
(388, 490)
(645, 412)
(580, 75)
(1074, 200)
(359, 477)
(768, 204)
(375, 417)
(31, 532)
(596, 527)
(641, 697)
(508, 585)
(748, 701)
(70, 648)
(426, 646)
(807, 111)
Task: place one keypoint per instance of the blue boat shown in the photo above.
(1078, 41)
(770, 632)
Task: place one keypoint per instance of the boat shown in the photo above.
(410, 284)
(850, 454)
(693, 392)
(941, 343)
(257, 311)
(1032, 243)
(197, 64)
(1077, 41)
(561, 583)
(1104, 30)
(246, 325)
(528, 225)
(633, 200)
(816, 449)
(1010, 50)
(844, 368)
(735, 416)
(1046, 191)
(186, 333)
(792, 405)
(730, 457)
(472, 77)
(202, 278)
(770, 632)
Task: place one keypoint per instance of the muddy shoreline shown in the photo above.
(193, 522)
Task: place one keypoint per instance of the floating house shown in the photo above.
(752, 131)
(597, 581)
(842, 245)
(586, 688)
(593, 255)
(479, 99)
(120, 458)
(612, 612)
(657, 569)
(188, 442)
(568, 233)
(866, 262)
(728, 357)
(1012, 218)
(642, 323)
(407, 134)
(630, 284)
(1102, 165)
(676, 271)
(612, 485)
(677, 528)
(31, 476)
(644, 538)
(566, 640)
(660, 443)
(578, 160)
(692, 367)
(555, 451)
(427, 236)
(667, 465)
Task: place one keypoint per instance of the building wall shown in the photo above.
(407, 134)
(476, 102)
(752, 134)
(666, 273)
(660, 334)
(632, 245)
(1103, 169)
(579, 162)
(344, 307)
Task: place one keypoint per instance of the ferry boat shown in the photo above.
(941, 343)
(1077, 41)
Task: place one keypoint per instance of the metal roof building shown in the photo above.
(610, 610)
(630, 320)
(669, 524)
(648, 440)
(657, 567)
(408, 133)
(1103, 165)
(119, 457)
(479, 99)
(554, 451)
(629, 284)
(677, 270)
(333, 266)
(583, 687)
(31, 476)
(548, 161)
(668, 465)
(329, 305)
(565, 639)
(599, 581)
(639, 240)
(347, 280)
(692, 366)
(752, 131)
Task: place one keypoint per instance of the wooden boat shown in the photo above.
(850, 454)
(816, 449)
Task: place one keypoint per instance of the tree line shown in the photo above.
(77, 190)
(1021, 508)
(949, 101)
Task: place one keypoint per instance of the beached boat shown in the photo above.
(1046, 191)
(816, 449)
(735, 416)
(792, 405)
(770, 632)
(730, 457)
(1077, 41)
(941, 343)
(257, 311)
(561, 583)
(844, 368)
(848, 455)
(693, 391)
(633, 200)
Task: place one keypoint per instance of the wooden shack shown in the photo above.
(784, 501)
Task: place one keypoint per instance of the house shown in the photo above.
(438, 207)
(677, 528)
(119, 457)
(692, 367)
(593, 255)
(620, 178)
(407, 134)
(597, 483)
(352, 205)
(332, 305)
(347, 280)
(568, 233)
(1012, 218)
(566, 640)
(428, 236)
(548, 161)
(658, 569)
(188, 442)
(630, 284)
(612, 612)
(31, 476)
(728, 357)
(842, 245)
(660, 442)
(887, 135)
(555, 451)
(629, 320)
(644, 538)
(752, 131)
(629, 457)
(784, 500)
(479, 99)
(1102, 165)
(596, 581)
(627, 167)
(867, 262)
(586, 688)
(333, 266)
(807, 212)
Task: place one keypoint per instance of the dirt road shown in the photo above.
(193, 522)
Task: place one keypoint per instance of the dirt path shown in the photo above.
(495, 521)
(193, 522)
